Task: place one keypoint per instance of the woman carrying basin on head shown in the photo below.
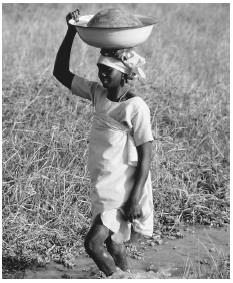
(119, 152)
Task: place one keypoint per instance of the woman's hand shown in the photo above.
(132, 210)
(75, 16)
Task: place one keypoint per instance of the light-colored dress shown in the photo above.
(118, 127)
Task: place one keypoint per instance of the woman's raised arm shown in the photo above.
(62, 63)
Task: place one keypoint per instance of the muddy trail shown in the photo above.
(196, 251)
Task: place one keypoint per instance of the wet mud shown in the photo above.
(194, 253)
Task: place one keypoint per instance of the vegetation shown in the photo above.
(45, 194)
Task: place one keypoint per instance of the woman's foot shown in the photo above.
(120, 274)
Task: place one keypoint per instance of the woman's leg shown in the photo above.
(94, 245)
(118, 252)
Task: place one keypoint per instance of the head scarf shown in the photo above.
(126, 61)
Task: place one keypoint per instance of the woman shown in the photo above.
(119, 152)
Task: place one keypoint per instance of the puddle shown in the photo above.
(172, 259)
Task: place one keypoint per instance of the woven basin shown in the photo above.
(124, 37)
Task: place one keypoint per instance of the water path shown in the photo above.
(195, 253)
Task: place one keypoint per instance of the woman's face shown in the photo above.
(109, 77)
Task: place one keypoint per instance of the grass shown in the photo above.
(211, 267)
(45, 192)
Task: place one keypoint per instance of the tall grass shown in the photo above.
(46, 207)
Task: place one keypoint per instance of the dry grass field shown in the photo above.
(45, 190)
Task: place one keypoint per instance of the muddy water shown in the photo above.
(197, 251)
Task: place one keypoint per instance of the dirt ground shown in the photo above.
(194, 254)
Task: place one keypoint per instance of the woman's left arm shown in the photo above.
(132, 208)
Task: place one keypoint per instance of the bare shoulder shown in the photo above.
(139, 105)
(139, 101)
(131, 94)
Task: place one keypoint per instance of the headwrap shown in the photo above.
(126, 61)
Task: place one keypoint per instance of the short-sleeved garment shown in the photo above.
(116, 126)
(134, 112)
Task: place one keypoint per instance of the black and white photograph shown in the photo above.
(115, 140)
